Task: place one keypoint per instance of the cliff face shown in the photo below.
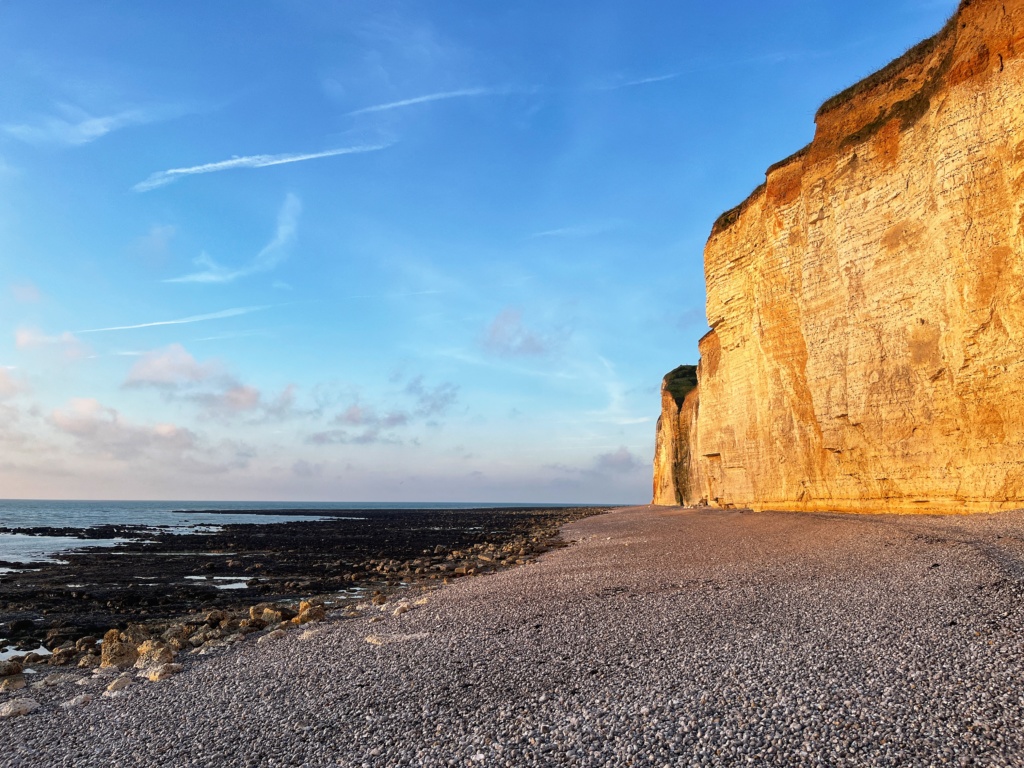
(673, 462)
(867, 302)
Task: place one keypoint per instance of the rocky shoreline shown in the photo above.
(145, 602)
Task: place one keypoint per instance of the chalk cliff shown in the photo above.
(867, 301)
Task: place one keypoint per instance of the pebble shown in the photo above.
(660, 638)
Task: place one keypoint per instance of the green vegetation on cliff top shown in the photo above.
(680, 381)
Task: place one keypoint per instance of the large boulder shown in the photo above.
(153, 653)
(118, 651)
(177, 635)
(63, 656)
(309, 612)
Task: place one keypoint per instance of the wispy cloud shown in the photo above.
(224, 313)
(163, 178)
(638, 81)
(581, 230)
(507, 336)
(265, 333)
(361, 424)
(272, 254)
(403, 295)
(500, 363)
(154, 246)
(76, 127)
(427, 98)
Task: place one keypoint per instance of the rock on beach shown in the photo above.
(17, 707)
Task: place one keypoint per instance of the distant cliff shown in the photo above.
(867, 301)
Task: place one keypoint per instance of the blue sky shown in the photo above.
(379, 250)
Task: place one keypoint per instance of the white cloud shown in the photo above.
(32, 338)
(9, 386)
(169, 367)
(103, 429)
(75, 126)
(162, 178)
(272, 254)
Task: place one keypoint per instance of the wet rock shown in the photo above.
(8, 668)
(18, 707)
(86, 644)
(58, 636)
(22, 625)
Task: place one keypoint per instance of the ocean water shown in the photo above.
(170, 516)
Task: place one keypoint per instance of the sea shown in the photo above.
(163, 516)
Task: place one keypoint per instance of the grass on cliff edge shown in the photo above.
(680, 381)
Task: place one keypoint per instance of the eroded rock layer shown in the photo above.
(867, 302)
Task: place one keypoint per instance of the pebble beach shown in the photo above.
(658, 637)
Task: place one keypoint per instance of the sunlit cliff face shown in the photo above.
(868, 342)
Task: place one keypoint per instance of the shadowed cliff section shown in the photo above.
(867, 300)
